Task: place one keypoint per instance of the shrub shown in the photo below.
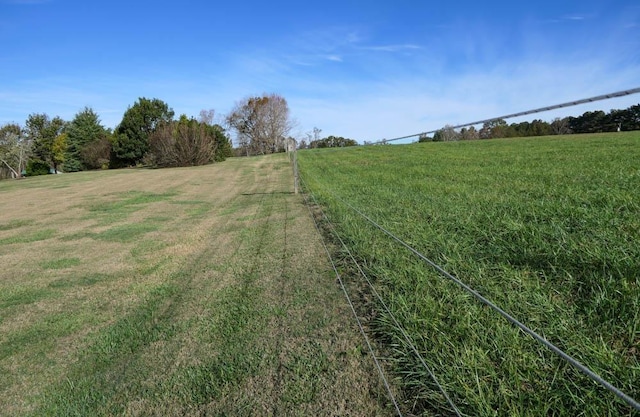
(182, 143)
(95, 155)
(37, 167)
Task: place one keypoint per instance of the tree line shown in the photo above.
(313, 141)
(147, 135)
(589, 122)
(332, 142)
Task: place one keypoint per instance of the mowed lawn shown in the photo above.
(195, 291)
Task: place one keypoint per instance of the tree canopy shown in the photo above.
(332, 142)
(84, 134)
(224, 148)
(42, 132)
(589, 122)
(131, 137)
(148, 134)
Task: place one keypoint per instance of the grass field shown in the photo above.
(547, 228)
(199, 291)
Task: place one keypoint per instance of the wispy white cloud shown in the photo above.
(390, 48)
(415, 104)
(401, 99)
(335, 44)
(574, 17)
(350, 82)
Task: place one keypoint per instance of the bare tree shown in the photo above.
(446, 134)
(560, 126)
(183, 143)
(96, 153)
(261, 124)
(312, 136)
(15, 148)
(206, 117)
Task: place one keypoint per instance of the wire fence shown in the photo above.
(524, 328)
(370, 348)
(634, 404)
(568, 358)
(405, 335)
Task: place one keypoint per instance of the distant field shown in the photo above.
(547, 228)
(195, 291)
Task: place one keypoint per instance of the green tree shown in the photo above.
(469, 134)
(540, 128)
(224, 148)
(131, 137)
(627, 119)
(83, 132)
(37, 167)
(332, 142)
(497, 128)
(589, 122)
(42, 132)
(59, 148)
(631, 118)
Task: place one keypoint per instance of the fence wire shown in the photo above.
(522, 113)
(566, 357)
(355, 314)
(407, 338)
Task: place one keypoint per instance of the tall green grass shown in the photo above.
(548, 228)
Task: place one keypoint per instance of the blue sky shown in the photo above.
(366, 70)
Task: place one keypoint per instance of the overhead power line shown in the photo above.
(524, 113)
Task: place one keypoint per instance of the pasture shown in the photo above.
(547, 228)
(189, 291)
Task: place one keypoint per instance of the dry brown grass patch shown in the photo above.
(221, 237)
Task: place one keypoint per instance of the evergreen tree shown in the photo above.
(224, 149)
(83, 131)
(131, 137)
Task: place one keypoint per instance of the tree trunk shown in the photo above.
(17, 174)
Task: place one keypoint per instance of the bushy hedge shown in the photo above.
(37, 167)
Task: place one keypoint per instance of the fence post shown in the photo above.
(295, 168)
